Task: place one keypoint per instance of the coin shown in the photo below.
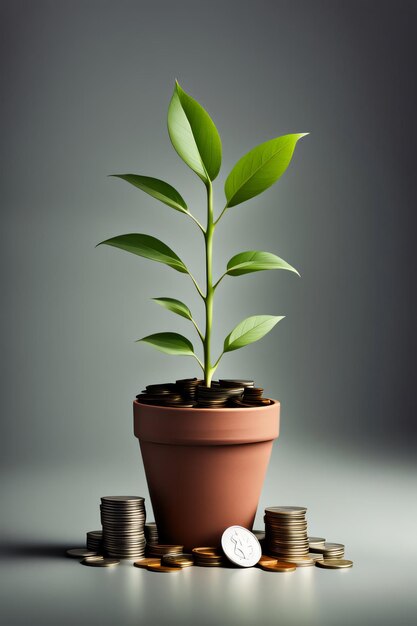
(178, 560)
(80, 553)
(265, 560)
(143, 563)
(317, 541)
(302, 561)
(279, 566)
(99, 561)
(125, 499)
(286, 510)
(241, 546)
(158, 567)
(209, 552)
(334, 563)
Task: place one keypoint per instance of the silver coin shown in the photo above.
(80, 553)
(100, 562)
(122, 499)
(241, 546)
(319, 541)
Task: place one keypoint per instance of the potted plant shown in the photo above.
(205, 466)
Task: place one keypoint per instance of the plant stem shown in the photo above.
(208, 236)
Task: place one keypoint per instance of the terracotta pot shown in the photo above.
(204, 467)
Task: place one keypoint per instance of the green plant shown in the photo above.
(197, 141)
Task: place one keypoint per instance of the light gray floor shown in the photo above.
(368, 504)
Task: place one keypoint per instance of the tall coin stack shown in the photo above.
(123, 520)
(286, 532)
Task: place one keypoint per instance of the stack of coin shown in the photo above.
(178, 560)
(286, 534)
(95, 541)
(316, 542)
(208, 557)
(240, 382)
(123, 519)
(188, 387)
(164, 394)
(217, 395)
(151, 533)
(159, 550)
(329, 550)
(252, 396)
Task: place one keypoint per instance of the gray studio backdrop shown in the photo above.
(86, 86)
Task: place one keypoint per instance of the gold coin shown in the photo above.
(158, 567)
(265, 560)
(279, 566)
(99, 561)
(300, 561)
(334, 563)
(143, 563)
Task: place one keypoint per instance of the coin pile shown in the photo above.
(329, 550)
(95, 541)
(208, 557)
(192, 392)
(286, 534)
(217, 396)
(164, 394)
(123, 519)
(151, 533)
(188, 387)
(159, 550)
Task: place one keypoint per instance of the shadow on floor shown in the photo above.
(34, 550)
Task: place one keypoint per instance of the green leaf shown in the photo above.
(249, 330)
(260, 168)
(256, 261)
(176, 306)
(156, 188)
(148, 247)
(194, 135)
(170, 343)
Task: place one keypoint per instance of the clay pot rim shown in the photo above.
(206, 409)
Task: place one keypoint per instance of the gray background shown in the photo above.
(86, 86)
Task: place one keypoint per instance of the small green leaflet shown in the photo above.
(176, 306)
(194, 135)
(249, 330)
(170, 343)
(260, 168)
(157, 188)
(148, 247)
(256, 261)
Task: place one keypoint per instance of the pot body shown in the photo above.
(204, 467)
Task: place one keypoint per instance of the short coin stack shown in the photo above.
(158, 550)
(252, 396)
(178, 560)
(95, 541)
(329, 550)
(151, 533)
(188, 388)
(286, 534)
(123, 519)
(209, 557)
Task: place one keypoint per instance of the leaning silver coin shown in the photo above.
(241, 546)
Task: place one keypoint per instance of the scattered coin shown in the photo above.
(80, 553)
(278, 566)
(334, 563)
(158, 567)
(99, 561)
(265, 560)
(143, 563)
(161, 549)
(241, 546)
